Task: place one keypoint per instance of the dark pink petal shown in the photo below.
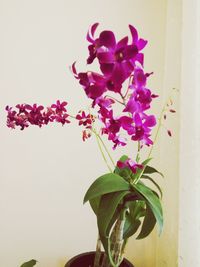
(94, 91)
(29, 107)
(92, 53)
(93, 28)
(40, 108)
(131, 106)
(118, 75)
(107, 39)
(140, 58)
(150, 121)
(130, 52)
(127, 66)
(141, 44)
(149, 74)
(138, 120)
(64, 103)
(97, 78)
(74, 71)
(140, 78)
(91, 32)
(148, 141)
(120, 164)
(122, 43)
(107, 68)
(134, 34)
(154, 96)
(127, 124)
(105, 57)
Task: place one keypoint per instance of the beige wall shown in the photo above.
(189, 230)
(44, 173)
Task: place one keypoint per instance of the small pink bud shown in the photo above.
(169, 133)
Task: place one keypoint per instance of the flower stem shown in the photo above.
(159, 126)
(110, 157)
(118, 101)
(100, 148)
(138, 153)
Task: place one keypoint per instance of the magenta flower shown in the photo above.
(85, 120)
(116, 59)
(36, 115)
(104, 102)
(59, 106)
(93, 83)
(129, 163)
(117, 140)
(16, 119)
(142, 128)
(85, 135)
(62, 118)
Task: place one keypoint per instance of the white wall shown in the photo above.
(45, 172)
(189, 231)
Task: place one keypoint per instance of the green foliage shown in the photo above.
(94, 203)
(107, 209)
(152, 180)
(150, 170)
(108, 212)
(122, 194)
(106, 183)
(152, 201)
(139, 172)
(132, 220)
(30, 263)
(148, 223)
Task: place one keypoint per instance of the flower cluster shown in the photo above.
(86, 121)
(119, 62)
(25, 115)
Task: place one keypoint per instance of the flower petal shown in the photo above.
(123, 42)
(134, 34)
(138, 120)
(150, 121)
(91, 31)
(141, 44)
(107, 68)
(107, 39)
(105, 57)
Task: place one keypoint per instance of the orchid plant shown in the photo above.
(120, 102)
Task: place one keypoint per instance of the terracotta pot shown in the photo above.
(87, 260)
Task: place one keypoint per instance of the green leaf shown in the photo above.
(106, 183)
(130, 226)
(153, 202)
(107, 209)
(150, 170)
(132, 223)
(94, 203)
(105, 239)
(30, 263)
(137, 209)
(139, 172)
(152, 180)
(148, 223)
